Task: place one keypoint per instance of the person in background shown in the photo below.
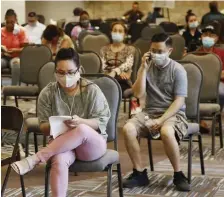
(192, 35)
(13, 39)
(164, 82)
(214, 14)
(76, 16)
(134, 14)
(86, 138)
(34, 29)
(84, 24)
(56, 39)
(210, 36)
(153, 16)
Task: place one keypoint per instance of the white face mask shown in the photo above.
(160, 60)
(68, 81)
(16, 29)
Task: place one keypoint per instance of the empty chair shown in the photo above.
(32, 58)
(178, 47)
(149, 31)
(11, 120)
(169, 27)
(135, 31)
(209, 101)
(143, 45)
(93, 42)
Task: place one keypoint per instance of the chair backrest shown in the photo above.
(135, 30)
(46, 75)
(169, 27)
(94, 42)
(211, 66)
(136, 65)
(69, 27)
(112, 92)
(142, 45)
(178, 47)
(195, 80)
(149, 31)
(91, 62)
(32, 58)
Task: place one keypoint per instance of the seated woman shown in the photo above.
(56, 39)
(118, 58)
(86, 136)
(84, 24)
(192, 35)
(13, 39)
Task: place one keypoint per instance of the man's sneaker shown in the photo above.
(181, 182)
(136, 179)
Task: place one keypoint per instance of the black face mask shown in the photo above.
(84, 23)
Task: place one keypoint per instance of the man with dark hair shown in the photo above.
(164, 82)
(134, 14)
(76, 16)
(34, 29)
(214, 13)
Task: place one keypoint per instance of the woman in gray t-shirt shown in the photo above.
(86, 136)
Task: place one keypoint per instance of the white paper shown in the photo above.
(57, 125)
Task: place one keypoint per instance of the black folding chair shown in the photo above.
(12, 120)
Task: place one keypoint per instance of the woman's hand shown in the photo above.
(124, 76)
(73, 123)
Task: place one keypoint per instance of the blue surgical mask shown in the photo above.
(160, 60)
(208, 42)
(193, 25)
(117, 37)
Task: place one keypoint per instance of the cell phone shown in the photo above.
(149, 58)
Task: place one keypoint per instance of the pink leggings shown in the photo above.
(82, 143)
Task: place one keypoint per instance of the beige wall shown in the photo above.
(111, 9)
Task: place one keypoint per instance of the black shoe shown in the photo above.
(181, 182)
(136, 179)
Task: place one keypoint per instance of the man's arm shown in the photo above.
(178, 102)
(139, 87)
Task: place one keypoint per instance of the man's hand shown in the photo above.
(157, 124)
(145, 63)
(74, 122)
(13, 50)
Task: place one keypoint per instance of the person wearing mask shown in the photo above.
(56, 39)
(13, 39)
(134, 14)
(164, 82)
(210, 36)
(86, 137)
(76, 16)
(192, 35)
(34, 29)
(153, 16)
(84, 24)
(214, 14)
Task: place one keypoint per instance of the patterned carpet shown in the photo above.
(212, 184)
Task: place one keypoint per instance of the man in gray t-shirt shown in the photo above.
(164, 82)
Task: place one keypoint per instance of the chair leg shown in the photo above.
(44, 141)
(189, 158)
(120, 180)
(4, 100)
(27, 143)
(16, 101)
(150, 154)
(47, 174)
(109, 181)
(220, 130)
(213, 134)
(5, 180)
(35, 142)
(201, 155)
(22, 186)
(129, 109)
(124, 105)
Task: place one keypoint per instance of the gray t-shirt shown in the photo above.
(91, 104)
(162, 85)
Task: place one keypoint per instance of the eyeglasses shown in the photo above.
(70, 73)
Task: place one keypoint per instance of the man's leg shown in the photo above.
(132, 145)
(173, 153)
(171, 146)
